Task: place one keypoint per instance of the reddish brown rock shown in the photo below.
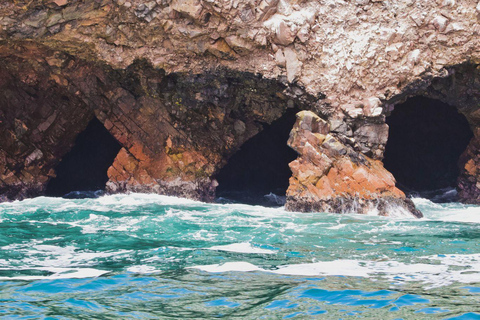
(183, 84)
(469, 179)
(330, 176)
(176, 131)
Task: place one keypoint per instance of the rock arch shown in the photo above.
(339, 168)
(426, 139)
(258, 173)
(459, 88)
(39, 122)
(202, 120)
(83, 170)
(176, 130)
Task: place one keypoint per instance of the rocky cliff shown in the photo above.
(182, 84)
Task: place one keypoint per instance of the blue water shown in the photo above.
(148, 257)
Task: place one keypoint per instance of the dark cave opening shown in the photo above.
(258, 173)
(83, 170)
(426, 139)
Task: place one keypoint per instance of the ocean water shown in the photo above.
(144, 256)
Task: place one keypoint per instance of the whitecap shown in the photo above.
(135, 199)
(142, 269)
(243, 247)
(448, 212)
(59, 273)
(432, 275)
(468, 214)
(336, 227)
(240, 266)
(40, 255)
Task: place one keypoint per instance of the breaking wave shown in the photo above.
(151, 256)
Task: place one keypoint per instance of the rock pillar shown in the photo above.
(330, 176)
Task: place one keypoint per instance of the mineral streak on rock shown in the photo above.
(170, 79)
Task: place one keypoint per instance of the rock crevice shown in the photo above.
(181, 85)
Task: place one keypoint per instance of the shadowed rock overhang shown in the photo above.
(181, 85)
(426, 140)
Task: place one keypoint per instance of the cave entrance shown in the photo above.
(83, 170)
(258, 173)
(426, 139)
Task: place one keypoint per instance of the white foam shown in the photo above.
(468, 214)
(134, 199)
(426, 203)
(142, 269)
(338, 226)
(432, 274)
(60, 273)
(398, 212)
(116, 202)
(228, 267)
(448, 212)
(55, 256)
(244, 247)
(204, 235)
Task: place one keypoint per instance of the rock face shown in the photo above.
(469, 180)
(330, 176)
(176, 130)
(182, 84)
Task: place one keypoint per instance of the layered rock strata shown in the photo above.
(330, 176)
(181, 84)
(176, 130)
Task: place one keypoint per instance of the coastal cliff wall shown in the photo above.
(182, 84)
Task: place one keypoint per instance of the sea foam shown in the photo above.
(431, 274)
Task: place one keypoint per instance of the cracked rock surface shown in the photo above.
(181, 84)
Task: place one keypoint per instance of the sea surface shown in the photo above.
(142, 256)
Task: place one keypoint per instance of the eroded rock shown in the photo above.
(349, 62)
(329, 176)
(469, 179)
(176, 130)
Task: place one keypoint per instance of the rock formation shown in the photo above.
(182, 84)
(176, 130)
(330, 176)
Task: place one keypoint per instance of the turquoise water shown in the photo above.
(148, 257)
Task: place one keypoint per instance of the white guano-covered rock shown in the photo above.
(294, 65)
(280, 58)
(440, 23)
(413, 57)
(193, 8)
(372, 107)
(448, 3)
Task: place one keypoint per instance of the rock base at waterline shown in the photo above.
(200, 189)
(387, 206)
(330, 175)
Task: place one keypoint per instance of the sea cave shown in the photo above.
(426, 139)
(83, 170)
(258, 173)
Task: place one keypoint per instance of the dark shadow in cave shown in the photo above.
(426, 139)
(83, 169)
(258, 173)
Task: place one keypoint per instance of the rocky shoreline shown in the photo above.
(183, 84)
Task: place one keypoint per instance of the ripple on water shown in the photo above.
(150, 256)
